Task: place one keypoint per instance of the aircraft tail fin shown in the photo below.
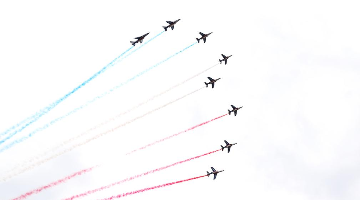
(206, 84)
(220, 61)
(222, 148)
(229, 112)
(198, 40)
(208, 174)
(165, 28)
(133, 43)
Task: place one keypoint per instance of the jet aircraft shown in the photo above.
(235, 109)
(227, 146)
(225, 58)
(171, 24)
(212, 81)
(203, 36)
(213, 172)
(139, 39)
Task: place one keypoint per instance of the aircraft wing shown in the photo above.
(210, 79)
(214, 176)
(204, 39)
(225, 61)
(233, 106)
(229, 149)
(212, 85)
(213, 169)
(235, 112)
(138, 37)
(202, 34)
(169, 22)
(226, 142)
(223, 56)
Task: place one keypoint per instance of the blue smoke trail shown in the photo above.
(89, 102)
(17, 125)
(51, 106)
(22, 122)
(47, 109)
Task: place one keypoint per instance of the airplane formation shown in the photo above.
(211, 82)
(215, 172)
(171, 24)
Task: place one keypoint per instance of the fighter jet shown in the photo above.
(203, 36)
(139, 39)
(227, 146)
(212, 81)
(213, 172)
(225, 58)
(235, 109)
(171, 24)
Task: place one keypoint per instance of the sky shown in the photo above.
(294, 69)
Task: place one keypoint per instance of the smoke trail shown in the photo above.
(99, 135)
(151, 188)
(54, 183)
(81, 172)
(88, 103)
(138, 176)
(51, 106)
(166, 91)
(53, 149)
(17, 125)
(45, 110)
(171, 136)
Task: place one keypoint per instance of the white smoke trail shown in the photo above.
(54, 149)
(96, 137)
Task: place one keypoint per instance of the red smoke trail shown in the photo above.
(105, 187)
(54, 183)
(151, 188)
(138, 176)
(171, 136)
(53, 149)
(98, 136)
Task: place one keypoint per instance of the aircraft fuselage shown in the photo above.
(215, 172)
(173, 24)
(139, 39)
(229, 145)
(236, 109)
(211, 82)
(226, 57)
(205, 36)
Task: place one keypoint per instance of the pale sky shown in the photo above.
(295, 70)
